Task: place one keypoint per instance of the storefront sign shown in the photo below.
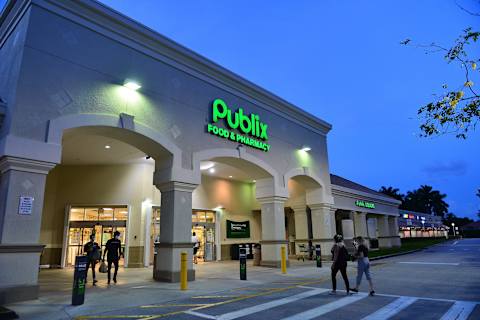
(238, 229)
(255, 132)
(365, 204)
(25, 205)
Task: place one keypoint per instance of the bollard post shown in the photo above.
(284, 259)
(183, 271)
(242, 255)
(79, 279)
(318, 255)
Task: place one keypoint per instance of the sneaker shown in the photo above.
(354, 290)
(94, 282)
(332, 293)
(108, 282)
(372, 293)
(114, 280)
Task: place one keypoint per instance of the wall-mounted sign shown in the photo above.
(238, 229)
(365, 204)
(25, 205)
(255, 132)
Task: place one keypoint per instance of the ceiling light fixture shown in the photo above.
(211, 170)
(306, 148)
(107, 147)
(230, 176)
(132, 85)
(254, 180)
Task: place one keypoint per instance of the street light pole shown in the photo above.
(453, 227)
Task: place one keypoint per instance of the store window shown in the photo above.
(77, 214)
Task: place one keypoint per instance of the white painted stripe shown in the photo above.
(270, 305)
(326, 308)
(201, 315)
(435, 263)
(391, 309)
(459, 311)
(399, 296)
(454, 243)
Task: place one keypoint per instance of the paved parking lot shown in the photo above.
(442, 282)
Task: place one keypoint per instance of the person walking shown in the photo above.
(113, 250)
(196, 245)
(363, 264)
(92, 251)
(340, 258)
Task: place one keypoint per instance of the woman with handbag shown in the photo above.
(340, 259)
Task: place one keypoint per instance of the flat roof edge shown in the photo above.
(102, 15)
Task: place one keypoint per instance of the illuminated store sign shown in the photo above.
(238, 229)
(249, 125)
(365, 204)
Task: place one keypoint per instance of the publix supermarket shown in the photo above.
(106, 125)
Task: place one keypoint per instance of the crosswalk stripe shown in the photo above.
(391, 309)
(326, 308)
(261, 307)
(459, 311)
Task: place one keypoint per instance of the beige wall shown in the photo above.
(96, 185)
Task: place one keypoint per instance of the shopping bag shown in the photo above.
(103, 267)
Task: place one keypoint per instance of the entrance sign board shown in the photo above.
(365, 204)
(255, 132)
(25, 205)
(238, 229)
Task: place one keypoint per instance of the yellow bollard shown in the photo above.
(284, 259)
(183, 271)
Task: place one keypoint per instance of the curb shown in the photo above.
(405, 252)
(395, 254)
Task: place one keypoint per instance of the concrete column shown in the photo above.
(360, 222)
(323, 226)
(301, 226)
(20, 229)
(273, 230)
(394, 231)
(383, 232)
(175, 231)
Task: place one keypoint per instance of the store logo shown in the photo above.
(248, 124)
(365, 204)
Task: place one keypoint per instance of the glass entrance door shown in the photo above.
(102, 222)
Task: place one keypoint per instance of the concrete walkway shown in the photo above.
(136, 287)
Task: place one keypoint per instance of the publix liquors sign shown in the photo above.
(245, 129)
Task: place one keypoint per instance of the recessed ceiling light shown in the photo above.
(132, 85)
(254, 180)
(306, 148)
(230, 176)
(107, 147)
(211, 170)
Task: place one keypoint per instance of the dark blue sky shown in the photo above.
(342, 61)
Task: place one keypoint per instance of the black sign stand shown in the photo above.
(242, 255)
(318, 255)
(79, 279)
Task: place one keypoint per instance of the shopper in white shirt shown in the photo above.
(196, 246)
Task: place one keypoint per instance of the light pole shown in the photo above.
(453, 227)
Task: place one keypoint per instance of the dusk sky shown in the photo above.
(342, 61)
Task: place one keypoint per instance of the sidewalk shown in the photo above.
(136, 287)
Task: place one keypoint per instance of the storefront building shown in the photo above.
(107, 125)
(421, 225)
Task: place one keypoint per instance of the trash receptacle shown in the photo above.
(257, 255)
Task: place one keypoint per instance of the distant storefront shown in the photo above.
(420, 225)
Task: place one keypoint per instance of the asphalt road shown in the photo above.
(442, 282)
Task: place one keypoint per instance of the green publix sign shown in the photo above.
(254, 131)
(365, 204)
